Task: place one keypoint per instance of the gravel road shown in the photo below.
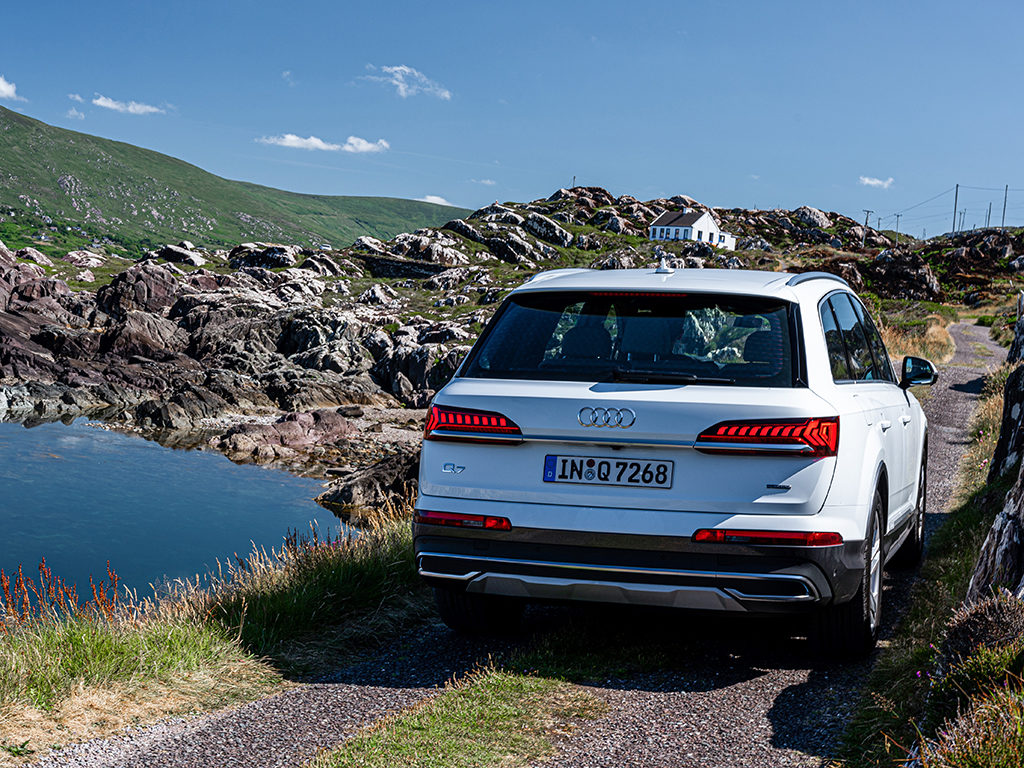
(743, 694)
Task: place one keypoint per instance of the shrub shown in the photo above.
(989, 735)
(993, 622)
(970, 677)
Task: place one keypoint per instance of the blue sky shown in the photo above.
(752, 104)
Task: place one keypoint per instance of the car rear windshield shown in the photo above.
(644, 337)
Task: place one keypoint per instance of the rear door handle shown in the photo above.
(905, 419)
(885, 424)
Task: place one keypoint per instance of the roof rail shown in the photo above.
(803, 277)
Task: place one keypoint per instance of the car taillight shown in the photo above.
(806, 437)
(785, 538)
(447, 423)
(460, 520)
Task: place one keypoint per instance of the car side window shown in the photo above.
(861, 362)
(882, 364)
(834, 343)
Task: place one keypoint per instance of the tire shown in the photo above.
(470, 614)
(850, 629)
(912, 549)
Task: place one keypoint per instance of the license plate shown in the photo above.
(594, 470)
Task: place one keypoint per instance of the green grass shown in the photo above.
(310, 606)
(491, 718)
(122, 183)
(893, 703)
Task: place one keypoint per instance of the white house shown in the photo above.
(689, 224)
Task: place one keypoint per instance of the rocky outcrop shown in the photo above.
(902, 274)
(388, 481)
(283, 438)
(1001, 561)
(547, 230)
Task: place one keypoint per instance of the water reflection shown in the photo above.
(81, 496)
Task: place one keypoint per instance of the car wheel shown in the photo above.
(850, 629)
(470, 614)
(910, 552)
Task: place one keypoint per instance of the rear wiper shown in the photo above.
(644, 375)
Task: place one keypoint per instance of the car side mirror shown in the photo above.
(917, 372)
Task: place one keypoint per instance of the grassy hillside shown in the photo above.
(138, 196)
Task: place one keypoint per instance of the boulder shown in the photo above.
(1001, 561)
(84, 259)
(146, 286)
(264, 255)
(545, 229)
(31, 254)
(181, 255)
(812, 217)
(378, 293)
(369, 245)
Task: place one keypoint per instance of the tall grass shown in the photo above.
(931, 341)
(272, 612)
(889, 718)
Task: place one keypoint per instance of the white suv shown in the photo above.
(718, 440)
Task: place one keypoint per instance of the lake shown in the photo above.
(80, 496)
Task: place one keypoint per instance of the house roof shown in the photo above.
(677, 219)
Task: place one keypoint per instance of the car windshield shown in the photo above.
(638, 336)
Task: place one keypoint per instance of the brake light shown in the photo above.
(460, 520)
(783, 538)
(446, 423)
(806, 437)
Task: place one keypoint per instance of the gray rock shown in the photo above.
(84, 259)
(545, 229)
(812, 217)
(378, 293)
(31, 254)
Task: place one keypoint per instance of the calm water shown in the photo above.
(79, 496)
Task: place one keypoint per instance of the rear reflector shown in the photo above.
(446, 423)
(460, 520)
(784, 538)
(806, 437)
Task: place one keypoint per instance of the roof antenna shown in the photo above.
(663, 267)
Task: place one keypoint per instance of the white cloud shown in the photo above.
(131, 107)
(870, 181)
(409, 81)
(74, 114)
(287, 77)
(353, 144)
(359, 146)
(485, 182)
(435, 199)
(9, 91)
(755, 177)
(75, 97)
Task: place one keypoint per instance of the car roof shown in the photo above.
(743, 281)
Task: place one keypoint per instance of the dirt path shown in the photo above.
(740, 698)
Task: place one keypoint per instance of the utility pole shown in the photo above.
(898, 229)
(864, 238)
(574, 181)
(988, 215)
(924, 234)
(956, 199)
(878, 223)
(1005, 193)
(962, 219)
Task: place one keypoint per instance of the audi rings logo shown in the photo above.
(606, 417)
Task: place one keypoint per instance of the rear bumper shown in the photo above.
(539, 564)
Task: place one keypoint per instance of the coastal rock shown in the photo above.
(181, 255)
(288, 434)
(146, 286)
(390, 480)
(264, 255)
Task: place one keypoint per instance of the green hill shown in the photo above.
(139, 197)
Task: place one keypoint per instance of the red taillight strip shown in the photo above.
(460, 520)
(816, 437)
(782, 538)
(447, 423)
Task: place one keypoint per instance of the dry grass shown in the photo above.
(932, 342)
(97, 712)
